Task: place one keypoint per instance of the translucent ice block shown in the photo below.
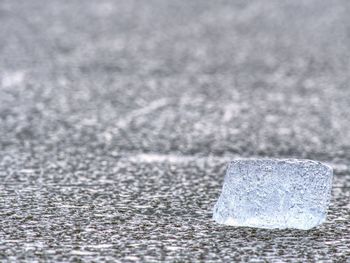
(275, 194)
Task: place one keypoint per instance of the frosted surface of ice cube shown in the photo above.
(275, 194)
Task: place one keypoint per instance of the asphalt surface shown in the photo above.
(117, 119)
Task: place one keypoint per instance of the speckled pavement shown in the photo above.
(117, 120)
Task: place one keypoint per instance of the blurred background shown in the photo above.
(185, 77)
(117, 119)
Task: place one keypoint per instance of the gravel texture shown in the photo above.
(117, 120)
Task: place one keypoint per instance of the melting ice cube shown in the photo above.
(275, 194)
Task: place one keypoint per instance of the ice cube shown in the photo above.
(275, 194)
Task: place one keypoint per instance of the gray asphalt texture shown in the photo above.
(117, 120)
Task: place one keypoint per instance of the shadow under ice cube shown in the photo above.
(275, 194)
